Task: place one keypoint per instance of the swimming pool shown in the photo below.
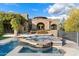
(53, 51)
(4, 49)
(41, 37)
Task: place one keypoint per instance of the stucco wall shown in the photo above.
(44, 21)
(47, 23)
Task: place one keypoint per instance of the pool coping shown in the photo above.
(69, 51)
(15, 52)
(5, 41)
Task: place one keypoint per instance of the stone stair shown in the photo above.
(57, 43)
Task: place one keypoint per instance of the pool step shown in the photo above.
(57, 43)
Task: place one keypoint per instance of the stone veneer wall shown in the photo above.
(53, 32)
(47, 23)
(44, 21)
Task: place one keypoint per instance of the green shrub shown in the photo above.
(1, 28)
(2, 38)
(42, 32)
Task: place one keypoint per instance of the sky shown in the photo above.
(33, 9)
(51, 10)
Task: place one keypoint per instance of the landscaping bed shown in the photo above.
(1, 37)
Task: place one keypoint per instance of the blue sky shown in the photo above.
(51, 10)
(33, 9)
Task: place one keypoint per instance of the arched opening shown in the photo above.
(54, 27)
(7, 26)
(40, 26)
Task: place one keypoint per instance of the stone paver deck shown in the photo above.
(71, 49)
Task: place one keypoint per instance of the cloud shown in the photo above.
(60, 18)
(10, 11)
(57, 17)
(60, 9)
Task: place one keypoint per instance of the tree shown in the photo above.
(72, 23)
(1, 22)
(15, 25)
(15, 20)
(1, 27)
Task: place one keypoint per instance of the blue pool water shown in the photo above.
(28, 50)
(4, 49)
(41, 37)
(53, 51)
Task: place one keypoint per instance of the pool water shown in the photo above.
(53, 51)
(41, 37)
(4, 49)
(28, 50)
